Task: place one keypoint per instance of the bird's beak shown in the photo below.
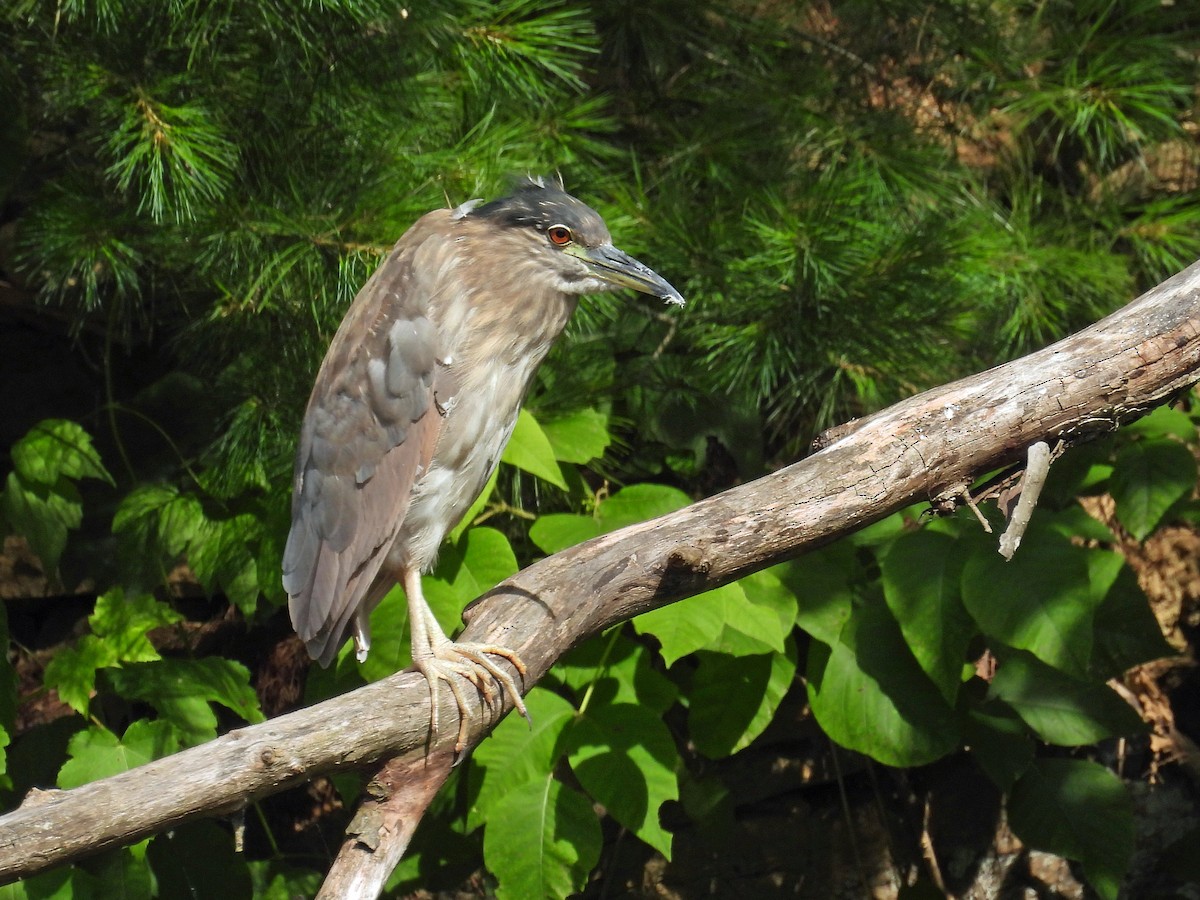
(620, 269)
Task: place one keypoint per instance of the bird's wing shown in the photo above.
(369, 431)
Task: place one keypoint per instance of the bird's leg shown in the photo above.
(439, 659)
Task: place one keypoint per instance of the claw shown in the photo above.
(439, 659)
(447, 659)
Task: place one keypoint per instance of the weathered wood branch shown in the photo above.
(928, 447)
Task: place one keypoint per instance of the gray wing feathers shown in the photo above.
(368, 432)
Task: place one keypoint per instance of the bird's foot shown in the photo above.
(447, 659)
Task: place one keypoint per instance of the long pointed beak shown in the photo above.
(620, 269)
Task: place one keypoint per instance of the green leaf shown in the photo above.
(921, 575)
(518, 753)
(42, 514)
(391, 648)
(123, 874)
(578, 437)
(530, 449)
(869, 694)
(274, 880)
(484, 560)
(181, 690)
(98, 753)
(1062, 710)
(1164, 422)
(821, 582)
(723, 619)
(480, 560)
(999, 741)
(1149, 478)
(159, 516)
(545, 844)
(198, 861)
(733, 699)
(72, 671)
(120, 624)
(219, 553)
(123, 621)
(616, 669)
(1041, 601)
(55, 449)
(1080, 810)
(625, 758)
(558, 531)
(477, 507)
(639, 503)
(1126, 632)
(64, 883)
(767, 590)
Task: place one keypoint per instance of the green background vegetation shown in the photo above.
(860, 200)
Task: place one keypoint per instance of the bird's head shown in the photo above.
(570, 240)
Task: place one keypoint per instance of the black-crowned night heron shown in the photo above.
(414, 403)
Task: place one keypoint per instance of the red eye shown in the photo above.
(560, 235)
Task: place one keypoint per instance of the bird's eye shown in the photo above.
(560, 235)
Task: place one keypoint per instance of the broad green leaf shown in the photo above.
(999, 741)
(63, 883)
(390, 643)
(723, 619)
(578, 437)
(639, 503)
(767, 590)
(684, 627)
(123, 621)
(219, 553)
(72, 670)
(274, 880)
(545, 844)
(120, 624)
(1041, 601)
(42, 514)
(921, 576)
(475, 508)
(821, 583)
(1077, 809)
(1164, 422)
(159, 516)
(1126, 632)
(198, 860)
(518, 753)
(98, 753)
(181, 690)
(1074, 522)
(1061, 709)
(484, 559)
(1150, 476)
(123, 874)
(55, 449)
(530, 449)
(733, 699)
(558, 531)
(480, 560)
(869, 694)
(616, 669)
(625, 758)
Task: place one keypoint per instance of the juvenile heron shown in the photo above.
(412, 407)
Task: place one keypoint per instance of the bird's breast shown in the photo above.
(479, 420)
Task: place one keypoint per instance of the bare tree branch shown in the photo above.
(921, 448)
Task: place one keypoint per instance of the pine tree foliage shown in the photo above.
(859, 199)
